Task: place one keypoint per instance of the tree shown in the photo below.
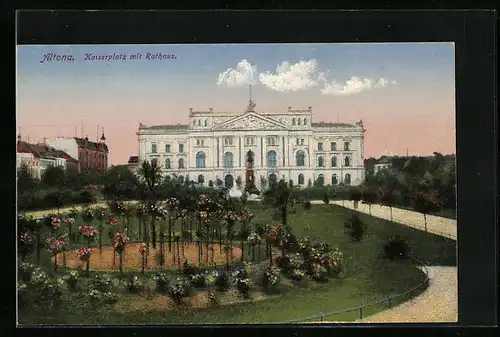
(355, 195)
(150, 173)
(25, 181)
(121, 182)
(326, 200)
(282, 198)
(425, 203)
(54, 176)
(369, 196)
(388, 198)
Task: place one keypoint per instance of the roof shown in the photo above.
(85, 143)
(330, 124)
(23, 147)
(133, 160)
(43, 150)
(166, 127)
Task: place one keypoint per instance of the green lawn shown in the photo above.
(368, 277)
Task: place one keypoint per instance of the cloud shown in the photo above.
(292, 77)
(243, 75)
(354, 85)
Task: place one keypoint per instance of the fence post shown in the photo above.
(321, 317)
(361, 313)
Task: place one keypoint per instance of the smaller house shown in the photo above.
(384, 163)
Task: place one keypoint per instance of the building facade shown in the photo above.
(90, 155)
(286, 145)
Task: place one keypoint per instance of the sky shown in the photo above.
(403, 92)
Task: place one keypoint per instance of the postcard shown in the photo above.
(236, 184)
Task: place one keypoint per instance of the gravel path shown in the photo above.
(435, 224)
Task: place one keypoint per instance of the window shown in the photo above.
(293, 121)
(167, 163)
(321, 180)
(206, 123)
(298, 141)
(305, 121)
(271, 141)
(298, 121)
(334, 161)
(249, 141)
(321, 162)
(181, 163)
(320, 146)
(181, 148)
(271, 159)
(301, 179)
(201, 179)
(194, 122)
(167, 148)
(199, 122)
(153, 148)
(346, 146)
(333, 146)
(334, 179)
(347, 162)
(228, 141)
(228, 160)
(199, 142)
(347, 179)
(302, 141)
(300, 158)
(200, 160)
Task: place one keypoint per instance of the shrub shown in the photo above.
(296, 274)
(189, 269)
(72, 280)
(243, 286)
(198, 280)
(271, 278)
(222, 281)
(101, 282)
(210, 184)
(25, 271)
(283, 262)
(161, 282)
(355, 228)
(134, 285)
(396, 248)
(317, 272)
(307, 205)
(47, 291)
(179, 289)
(326, 200)
(333, 261)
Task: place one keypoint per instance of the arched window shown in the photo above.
(305, 121)
(201, 179)
(228, 160)
(200, 159)
(199, 122)
(301, 179)
(347, 179)
(334, 179)
(205, 122)
(321, 162)
(194, 122)
(321, 180)
(181, 178)
(273, 179)
(300, 158)
(271, 159)
(298, 121)
(181, 163)
(347, 162)
(334, 161)
(167, 163)
(293, 121)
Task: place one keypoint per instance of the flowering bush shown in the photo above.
(55, 246)
(101, 213)
(271, 277)
(119, 241)
(198, 280)
(101, 282)
(245, 215)
(222, 281)
(84, 253)
(189, 269)
(179, 289)
(253, 239)
(112, 221)
(88, 214)
(88, 231)
(142, 211)
(172, 203)
(47, 291)
(68, 220)
(318, 272)
(72, 280)
(243, 286)
(25, 244)
(161, 281)
(55, 222)
(271, 235)
(107, 297)
(25, 271)
(296, 274)
(143, 249)
(134, 285)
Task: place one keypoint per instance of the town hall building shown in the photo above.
(288, 145)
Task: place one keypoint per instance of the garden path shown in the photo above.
(437, 304)
(436, 225)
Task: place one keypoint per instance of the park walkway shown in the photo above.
(435, 224)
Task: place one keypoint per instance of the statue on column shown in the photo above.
(250, 187)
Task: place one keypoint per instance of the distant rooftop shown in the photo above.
(164, 127)
(83, 142)
(132, 160)
(330, 124)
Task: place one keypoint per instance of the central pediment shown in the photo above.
(250, 121)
